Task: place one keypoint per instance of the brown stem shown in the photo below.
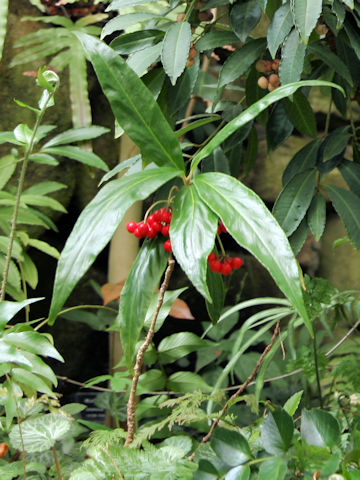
(131, 416)
(57, 464)
(240, 390)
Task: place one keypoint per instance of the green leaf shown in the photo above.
(9, 309)
(214, 39)
(278, 128)
(217, 293)
(279, 28)
(274, 468)
(241, 472)
(16, 251)
(133, 42)
(306, 14)
(319, 428)
(136, 295)
(39, 433)
(180, 344)
(292, 403)
(9, 137)
(121, 22)
(32, 342)
(258, 232)
(192, 234)
(294, 200)
(140, 61)
(76, 135)
(251, 112)
(44, 159)
(230, 446)
(175, 49)
(241, 60)
(301, 114)
(151, 381)
(206, 471)
(43, 188)
(7, 168)
(96, 225)
(331, 60)
(133, 105)
(304, 159)
(12, 355)
(44, 247)
(24, 377)
(23, 134)
(316, 216)
(3, 21)
(277, 432)
(349, 3)
(128, 163)
(30, 271)
(244, 17)
(80, 103)
(335, 143)
(186, 382)
(39, 367)
(118, 4)
(79, 154)
(347, 205)
(42, 201)
(169, 298)
(351, 174)
(353, 34)
(292, 58)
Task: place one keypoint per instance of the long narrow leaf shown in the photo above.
(133, 105)
(3, 22)
(253, 111)
(96, 225)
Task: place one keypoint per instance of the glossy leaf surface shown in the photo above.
(79, 154)
(273, 468)
(180, 344)
(9, 309)
(319, 428)
(351, 174)
(96, 225)
(277, 431)
(316, 216)
(133, 105)
(279, 28)
(244, 17)
(292, 58)
(175, 49)
(306, 14)
(303, 160)
(301, 114)
(230, 446)
(259, 232)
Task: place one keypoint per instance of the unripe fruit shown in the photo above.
(274, 80)
(263, 83)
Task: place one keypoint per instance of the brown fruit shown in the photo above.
(4, 448)
(263, 83)
(205, 16)
(192, 52)
(180, 17)
(321, 29)
(190, 62)
(275, 65)
(260, 66)
(274, 80)
(268, 65)
(271, 87)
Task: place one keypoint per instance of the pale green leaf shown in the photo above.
(175, 49)
(186, 382)
(178, 345)
(141, 60)
(9, 309)
(44, 247)
(292, 58)
(32, 342)
(316, 216)
(3, 23)
(79, 154)
(133, 42)
(319, 428)
(279, 28)
(76, 135)
(7, 168)
(306, 14)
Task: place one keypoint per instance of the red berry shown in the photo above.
(167, 217)
(150, 219)
(215, 266)
(156, 226)
(167, 246)
(157, 214)
(226, 268)
(137, 233)
(165, 230)
(130, 227)
(212, 257)
(160, 214)
(236, 262)
(222, 227)
(151, 232)
(143, 228)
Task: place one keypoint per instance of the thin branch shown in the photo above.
(240, 390)
(131, 416)
(80, 384)
(57, 464)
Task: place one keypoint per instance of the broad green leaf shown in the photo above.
(23, 134)
(192, 233)
(347, 205)
(278, 127)
(306, 14)
(133, 105)
(96, 225)
(304, 159)
(7, 168)
(252, 112)
(351, 174)
(36, 384)
(9, 137)
(206, 471)
(353, 34)
(9, 309)
(151, 381)
(330, 59)
(301, 114)
(186, 382)
(349, 3)
(319, 428)
(217, 293)
(340, 12)
(316, 216)
(76, 135)
(214, 39)
(133, 42)
(294, 200)
(118, 4)
(3, 22)
(241, 60)
(136, 295)
(169, 298)
(241, 472)
(277, 432)
(292, 58)
(180, 344)
(79, 154)
(39, 433)
(292, 403)
(258, 232)
(32, 342)
(274, 468)
(44, 159)
(335, 143)
(244, 17)
(175, 49)
(279, 28)
(9, 354)
(121, 22)
(39, 367)
(230, 446)
(140, 61)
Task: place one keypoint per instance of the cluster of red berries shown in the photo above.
(223, 265)
(158, 222)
